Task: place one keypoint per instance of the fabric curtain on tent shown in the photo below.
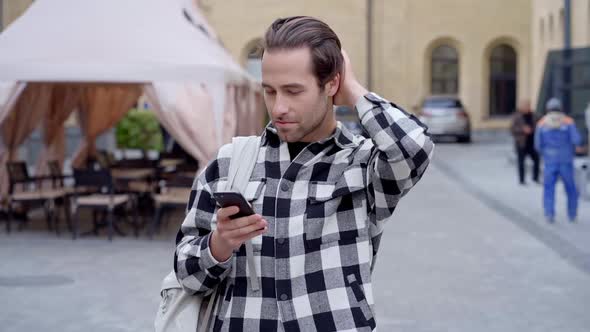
(230, 115)
(254, 121)
(64, 99)
(242, 109)
(24, 117)
(112, 81)
(260, 110)
(185, 111)
(250, 111)
(9, 93)
(101, 107)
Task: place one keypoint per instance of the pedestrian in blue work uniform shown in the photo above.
(556, 139)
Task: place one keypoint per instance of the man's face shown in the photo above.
(298, 108)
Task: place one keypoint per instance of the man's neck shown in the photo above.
(324, 130)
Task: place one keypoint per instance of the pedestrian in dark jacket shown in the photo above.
(523, 130)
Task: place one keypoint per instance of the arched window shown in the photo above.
(254, 58)
(503, 62)
(444, 70)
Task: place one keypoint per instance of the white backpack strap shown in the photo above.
(241, 165)
(245, 151)
(243, 160)
(244, 156)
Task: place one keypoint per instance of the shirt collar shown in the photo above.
(342, 137)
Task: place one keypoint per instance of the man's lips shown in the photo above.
(284, 123)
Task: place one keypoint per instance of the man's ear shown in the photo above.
(333, 85)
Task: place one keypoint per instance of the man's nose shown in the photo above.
(280, 107)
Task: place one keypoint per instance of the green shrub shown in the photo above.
(139, 130)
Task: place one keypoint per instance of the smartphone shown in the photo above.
(230, 198)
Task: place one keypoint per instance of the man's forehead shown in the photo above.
(295, 60)
(303, 52)
(287, 68)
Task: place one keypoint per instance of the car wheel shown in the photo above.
(464, 139)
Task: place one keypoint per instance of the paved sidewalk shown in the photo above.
(451, 261)
(53, 284)
(484, 170)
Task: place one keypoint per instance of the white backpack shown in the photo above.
(180, 311)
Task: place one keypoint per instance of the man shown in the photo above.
(322, 195)
(556, 140)
(523, 130)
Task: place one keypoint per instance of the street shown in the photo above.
(467, 250)
(470, 251)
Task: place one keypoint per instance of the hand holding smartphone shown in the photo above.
(233, 230)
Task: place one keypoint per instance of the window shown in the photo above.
(503, 71)
(444, 70)
(254, 59)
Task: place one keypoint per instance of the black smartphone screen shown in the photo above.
(226, 199)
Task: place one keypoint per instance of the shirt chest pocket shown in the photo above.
(336, 210)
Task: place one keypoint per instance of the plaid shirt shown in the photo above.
(325, 210)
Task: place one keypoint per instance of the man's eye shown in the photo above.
(269, 92)
(293, 93)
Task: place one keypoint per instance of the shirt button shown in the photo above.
(284, 297)
(285, 186)
(280, 241)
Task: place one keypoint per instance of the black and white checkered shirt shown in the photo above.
(325, 210)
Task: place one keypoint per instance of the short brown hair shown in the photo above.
(304, 31)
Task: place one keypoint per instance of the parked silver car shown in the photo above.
(445, 116)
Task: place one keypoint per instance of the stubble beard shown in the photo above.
(300, 133)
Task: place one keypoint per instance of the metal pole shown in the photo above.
(567, 53)
(567, 25)
(369, 45)
(1, 15)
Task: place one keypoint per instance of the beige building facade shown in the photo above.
(489, 53)
(418, 47)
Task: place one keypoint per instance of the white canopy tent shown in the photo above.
(163, 48)
(113, 41)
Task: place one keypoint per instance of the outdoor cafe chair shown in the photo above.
(104, 199)
(29, 192)
(174, 194)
